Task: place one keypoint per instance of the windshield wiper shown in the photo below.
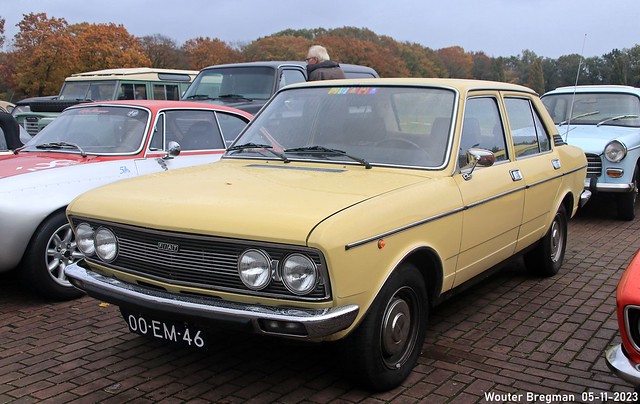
(239, 96)
(615, 118)
(325, 150)
(200, 97)
(61, 145)
(267, 147)
(578, 117)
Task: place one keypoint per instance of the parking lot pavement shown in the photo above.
(510, 338)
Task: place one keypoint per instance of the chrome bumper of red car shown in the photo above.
(622, 366)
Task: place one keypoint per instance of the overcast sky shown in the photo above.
(550, 28)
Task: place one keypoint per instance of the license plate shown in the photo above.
(173, 331)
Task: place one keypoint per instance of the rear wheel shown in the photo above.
(51, 249)
(546, 259)
(383, 350)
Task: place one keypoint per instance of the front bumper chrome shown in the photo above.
(585, 195)
(622, 366)
(593, 185)
(316, 323)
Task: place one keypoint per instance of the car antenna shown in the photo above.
(575, 87)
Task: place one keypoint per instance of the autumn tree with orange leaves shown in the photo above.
(44, 54)
(106, 46)
(202, 52)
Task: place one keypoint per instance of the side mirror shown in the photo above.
(173, 150)
(478, 157)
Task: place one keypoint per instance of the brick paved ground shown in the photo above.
(510, 334)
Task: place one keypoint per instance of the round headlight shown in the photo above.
(615, 151)
(84, 239)
(106, 244)
(254, 268)
(299, 274)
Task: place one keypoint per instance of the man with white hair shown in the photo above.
(320, 66)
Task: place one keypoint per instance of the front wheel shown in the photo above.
(383, 350)
(627, 201)
(51, 249)
(546, 258)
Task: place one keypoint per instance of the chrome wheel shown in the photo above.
(61, 251)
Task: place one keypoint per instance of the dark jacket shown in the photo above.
(327, 70)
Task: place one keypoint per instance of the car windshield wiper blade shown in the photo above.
(325, 150)
(200, 97)
(615, 118)
(578, 117)
(266, 147)
(61, 145)
(240, 96)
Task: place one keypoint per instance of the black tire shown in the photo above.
(50, 250)
(546, 258)
(627, 202)
(382, 351)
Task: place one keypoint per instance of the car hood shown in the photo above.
(241, 199)
(593, 139)
(25, 163)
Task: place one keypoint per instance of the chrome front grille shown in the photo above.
(198, 261)
(594, 165)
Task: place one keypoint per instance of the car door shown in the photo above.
(539, 165)
(290, 75)
(493, 197)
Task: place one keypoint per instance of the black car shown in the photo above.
(248, 86)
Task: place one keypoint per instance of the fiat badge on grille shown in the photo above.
(167, 247)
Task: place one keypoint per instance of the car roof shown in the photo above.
(462, 85)
(596, 88)
(164, 104)
(277, 63)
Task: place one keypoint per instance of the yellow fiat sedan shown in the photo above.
(344, 212)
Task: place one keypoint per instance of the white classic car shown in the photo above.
(87, 146)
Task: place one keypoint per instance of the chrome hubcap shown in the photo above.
(557, 238)
(396, 327)
(61, 251)
(399, 328)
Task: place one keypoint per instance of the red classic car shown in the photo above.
(624, 359)
(87, 146)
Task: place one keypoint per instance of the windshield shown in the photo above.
(594, 109)
(88, 90)
(368, 125)
(96, 130)
(232, 83)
